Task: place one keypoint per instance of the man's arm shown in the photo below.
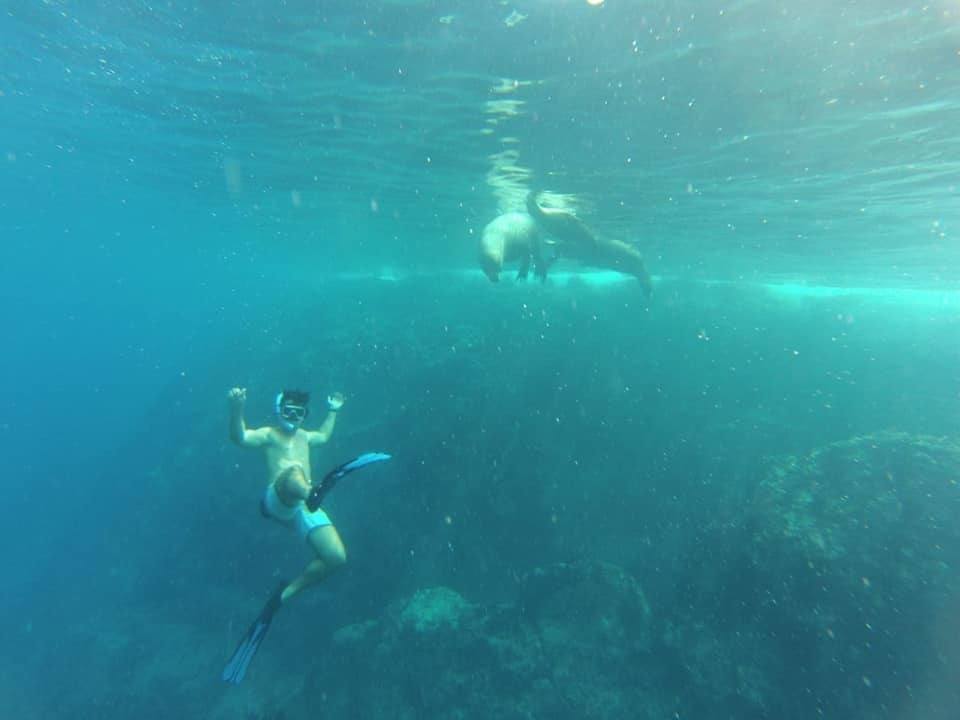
(237, 397)
(322, 434)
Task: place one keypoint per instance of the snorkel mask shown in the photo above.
(291, 408)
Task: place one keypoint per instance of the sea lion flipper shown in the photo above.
(533, 207)
(541, 268)
(524, 268)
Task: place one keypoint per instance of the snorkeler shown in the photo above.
(291, 499)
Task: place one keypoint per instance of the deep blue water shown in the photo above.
(196, 196)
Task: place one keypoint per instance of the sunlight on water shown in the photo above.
(899, 296)
(785, 291)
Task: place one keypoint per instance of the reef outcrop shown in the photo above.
(571, 646)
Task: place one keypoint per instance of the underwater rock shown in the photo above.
(575, 645)
(852, 548)
(878, 514)
(611, 611)
(434, 610)
(724, 667)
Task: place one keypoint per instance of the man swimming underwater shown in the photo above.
(291, 499)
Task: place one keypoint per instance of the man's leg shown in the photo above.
(331, 554)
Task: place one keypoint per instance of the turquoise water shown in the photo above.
(201, 195)
(727, 139)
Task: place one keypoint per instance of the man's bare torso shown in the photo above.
(285, 450)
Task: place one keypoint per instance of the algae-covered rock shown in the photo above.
(726, 665)
(853, 551)
(354, 634)
(591, 617)
(574, 645)
(593, 627)
(879, 513)
(433, 610)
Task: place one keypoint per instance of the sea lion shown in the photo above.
(564, 226)
(577, 242)
(508, 238)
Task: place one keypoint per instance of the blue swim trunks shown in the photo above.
(297, 517)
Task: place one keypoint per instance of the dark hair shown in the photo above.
(295, 397)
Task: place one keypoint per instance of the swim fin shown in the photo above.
(315, 498)
(236, 669)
